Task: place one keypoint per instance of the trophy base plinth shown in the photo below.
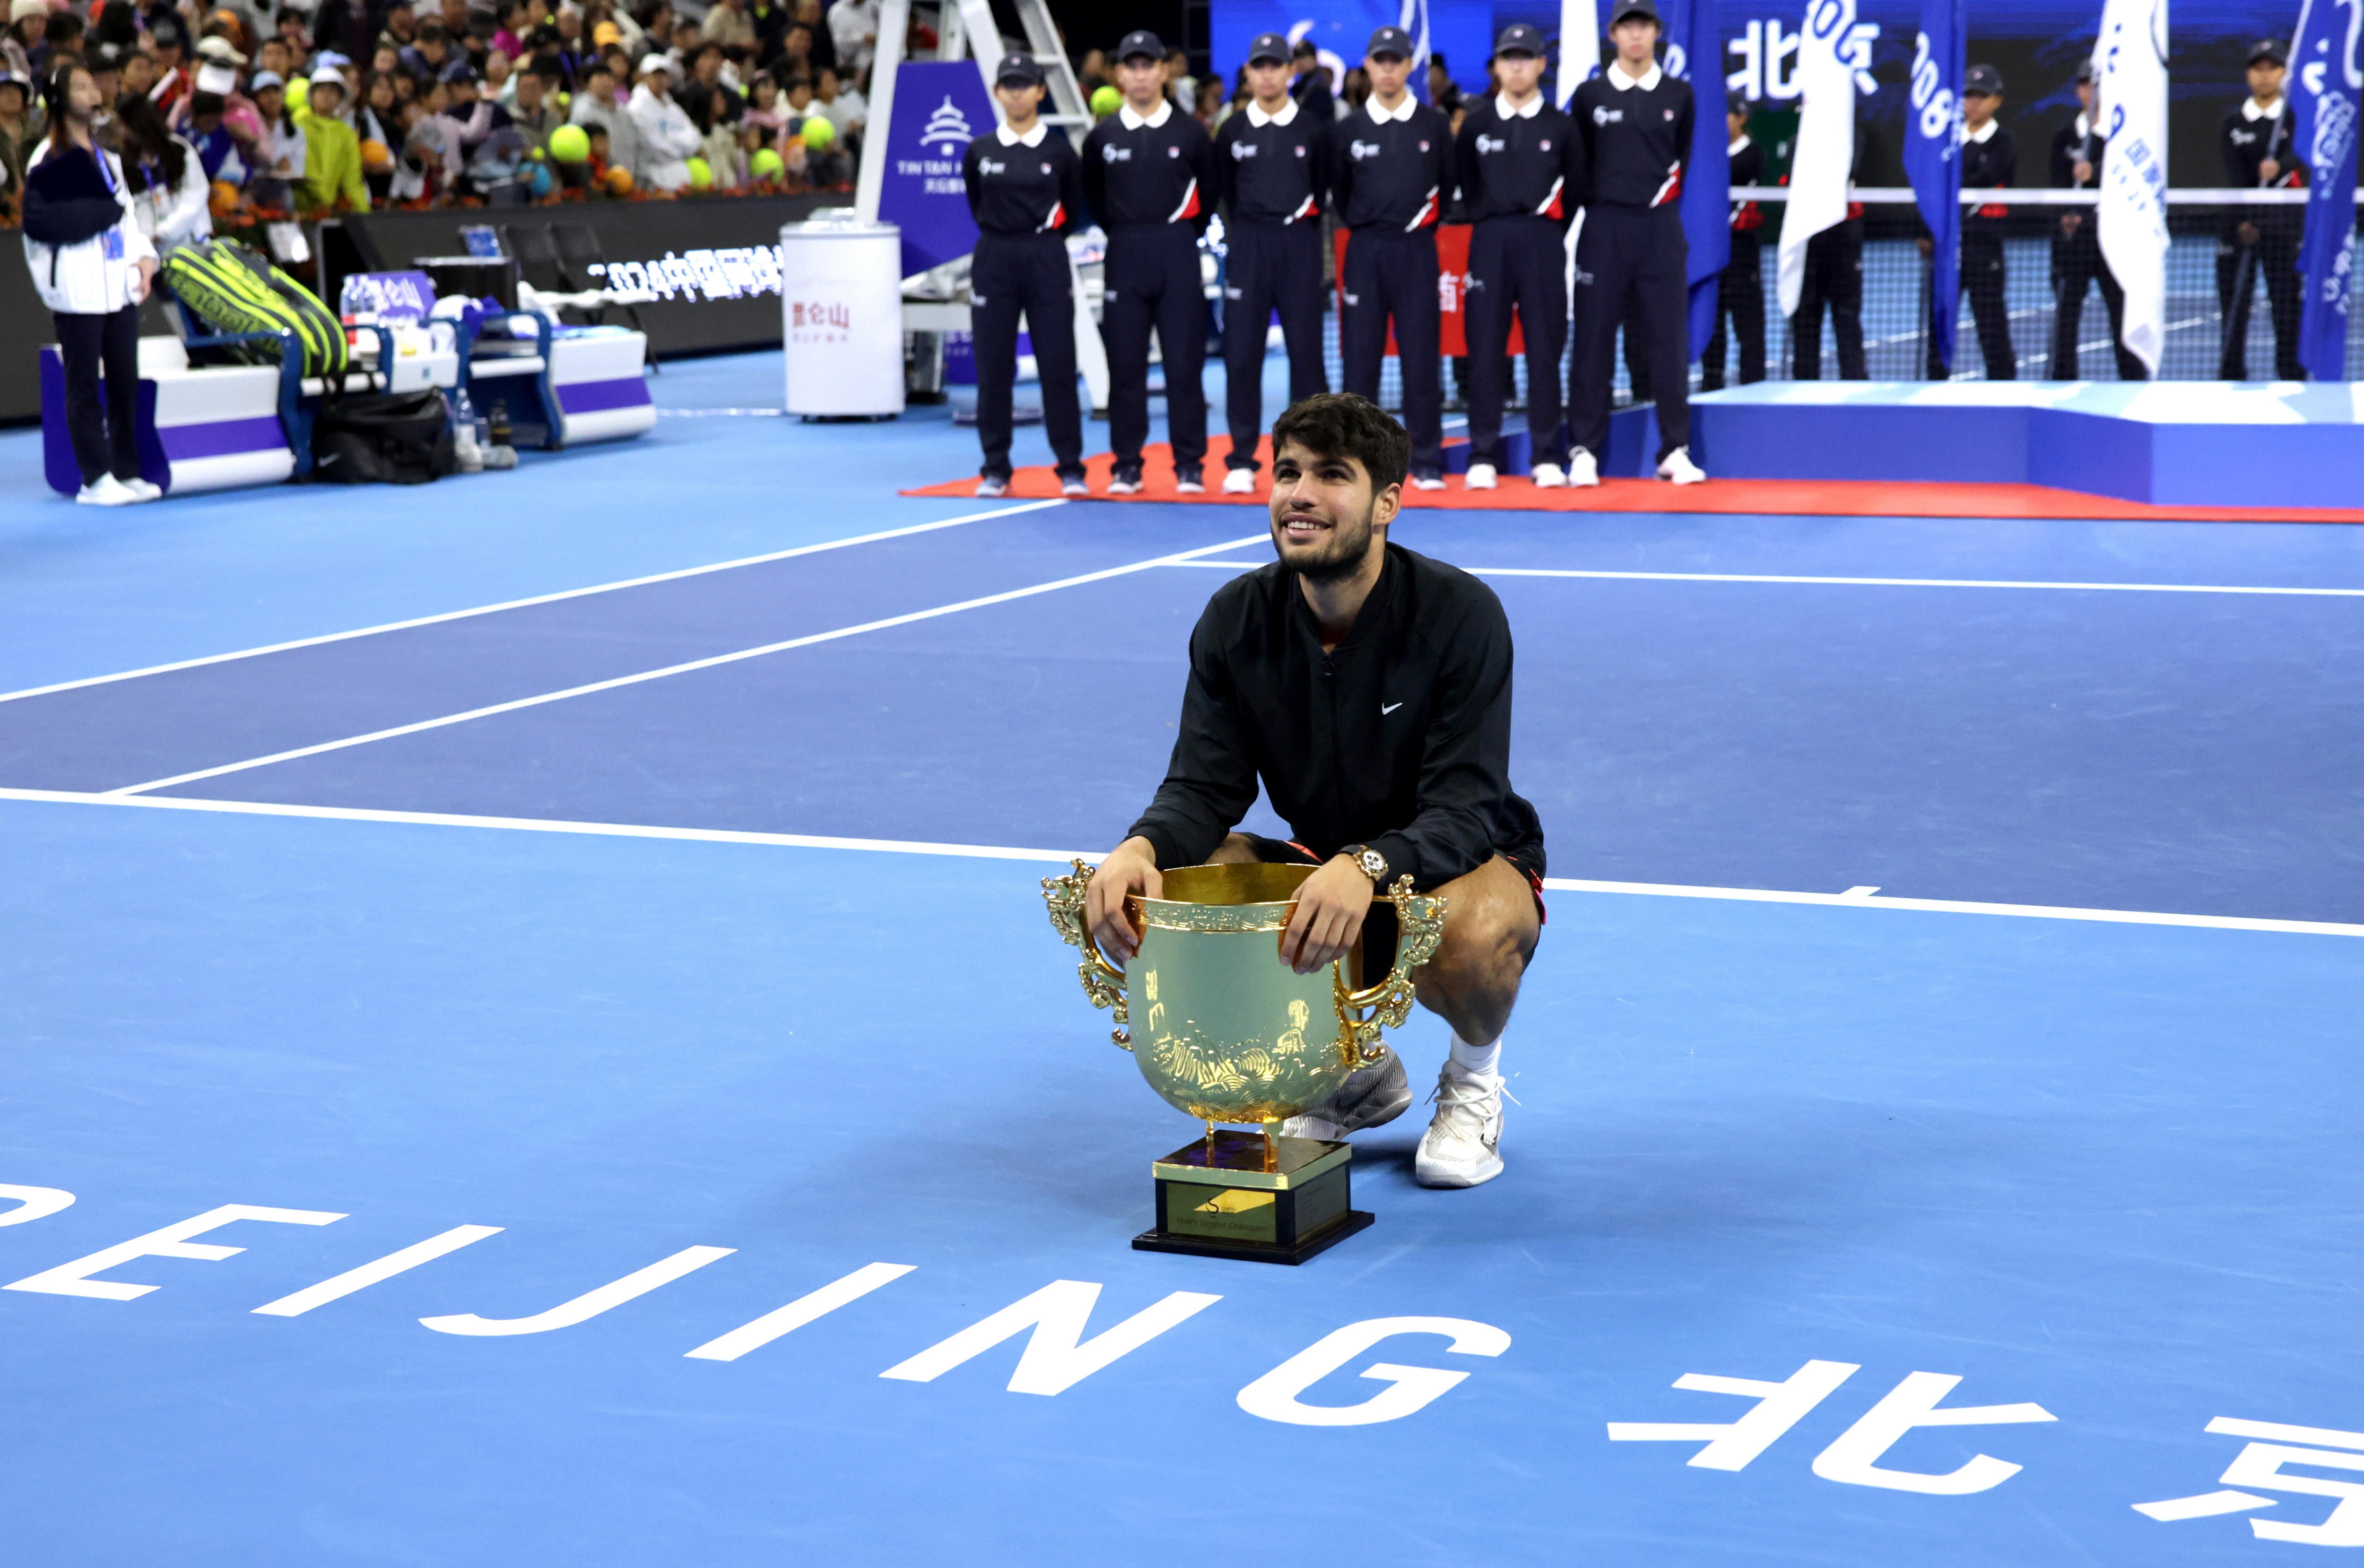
(1235, 1196)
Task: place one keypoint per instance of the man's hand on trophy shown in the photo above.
(1130, 868)
(1330, 904)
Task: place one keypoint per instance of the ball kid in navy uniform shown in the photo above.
(1522, 172)
(1393, 173)
(1989, 157)
(1026, 191)
(2077, 263)
(1740, 288)
(1272, 170)
(1636, 123)
(2259, 155)
(1149, 174)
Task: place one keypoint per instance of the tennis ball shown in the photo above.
(766, 164)
(701, 175)
(620, 180)
(819, 132)
(1105, 101)
(570, 144)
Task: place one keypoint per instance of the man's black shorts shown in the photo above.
(1289, 851)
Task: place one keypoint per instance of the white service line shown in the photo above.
(538, 599)
(1862, 581)
(1849, 900)
(684, 668)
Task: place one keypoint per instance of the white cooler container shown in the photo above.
(842, 316)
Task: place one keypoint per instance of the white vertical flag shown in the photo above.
(2131, 58)
(1818, 172)
(1580, 46)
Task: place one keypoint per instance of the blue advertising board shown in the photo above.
(939, 107)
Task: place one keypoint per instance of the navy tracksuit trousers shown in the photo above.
(1516, 261)
(1271, 266)
(1393, 275)
(1636, 252)
(1151, 280)
(1010, 276)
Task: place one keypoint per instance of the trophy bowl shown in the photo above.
(1226, 1032)
(1222, 1028)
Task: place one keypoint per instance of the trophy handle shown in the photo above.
(1103, 981)
(1420, 921)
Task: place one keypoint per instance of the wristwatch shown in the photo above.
(1369, 862)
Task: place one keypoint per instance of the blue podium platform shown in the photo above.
(2171, 443)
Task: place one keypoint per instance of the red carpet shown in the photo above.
(1784, 497)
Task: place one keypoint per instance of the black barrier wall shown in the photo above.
(714, 266)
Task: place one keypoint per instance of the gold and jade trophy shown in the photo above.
(1228, 1033)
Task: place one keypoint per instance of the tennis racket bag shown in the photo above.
(231, 289)
(398, 438)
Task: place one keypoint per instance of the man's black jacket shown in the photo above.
(1399, 738)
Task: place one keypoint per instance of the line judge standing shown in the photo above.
(1393, 173)
(1026, 191)
(1272, 169)
(1522, 172)
(1636, 122)
(1149, 174)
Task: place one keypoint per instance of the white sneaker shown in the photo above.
(142, 490)
(990, 486)
(1240, 482)
(1460, 1149)
(1075, 486)
(1369, 1096)
(1428, 482)
(1583, 473)
(1481, 477)
(105, 490)
(1678, 468)
(1125, 485)
(1550, 476)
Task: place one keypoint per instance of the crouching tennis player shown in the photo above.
(1369, 688)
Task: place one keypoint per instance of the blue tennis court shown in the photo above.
(617, 909)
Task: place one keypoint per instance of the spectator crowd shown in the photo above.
(240, 114)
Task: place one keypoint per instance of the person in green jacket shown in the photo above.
(333, 153)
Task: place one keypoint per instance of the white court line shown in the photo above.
(1861, 582)
(538, 599)
(684, 668)
(1059, 857)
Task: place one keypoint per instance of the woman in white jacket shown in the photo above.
(92, 287)
(668, 138)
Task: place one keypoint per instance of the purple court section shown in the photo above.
(2182, 752)
(597, 397)
(223, 437)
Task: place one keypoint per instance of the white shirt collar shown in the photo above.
(1032, 138)
(1258, 118)
(2084, 126)
(1624, 84)
(1404, 111)
(1131, 121)
(1534, 106)
(1738, 142)
(1984, 134)
(2249, 110)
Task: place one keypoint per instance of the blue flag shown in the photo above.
(1695, 52)
(1933, 157)
(2327, 84)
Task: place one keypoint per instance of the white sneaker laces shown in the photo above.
(1466, 1110)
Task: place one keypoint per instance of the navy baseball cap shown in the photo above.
(2267, 48)
(1268, 47)
(1735, 102)
(1983, 79)
(2086, 70)
(1389, 41)
(1139, 43)
(1520, 38)
(1627, 10)
(1023, 69)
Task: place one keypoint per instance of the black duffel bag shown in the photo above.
(399, 438)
